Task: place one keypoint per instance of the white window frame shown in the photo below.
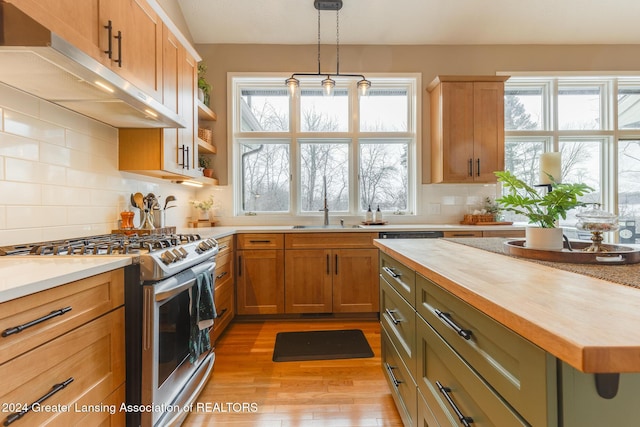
(412, 81)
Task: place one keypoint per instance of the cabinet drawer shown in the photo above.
(87, 299)
(91, 355)
(447, 382)
(401, 277)
(224, 267)
(330, 240)
(399, 319)
(260, 241)
(463, 233)
(225, 245)
(225, 308)
(425, 416)
(520, 371)
(401, 383)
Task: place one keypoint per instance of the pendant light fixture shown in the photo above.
(328, 84)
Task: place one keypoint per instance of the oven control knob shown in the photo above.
(179, 255)
(183, 252)
(202, 247)
(167, 257)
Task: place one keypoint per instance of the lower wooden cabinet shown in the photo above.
(331, 273)
(80, 369)
(260, 278)
(224, 289)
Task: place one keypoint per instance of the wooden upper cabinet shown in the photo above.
(467, 128)
(85, 24)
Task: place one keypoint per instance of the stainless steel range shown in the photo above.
(169, 310)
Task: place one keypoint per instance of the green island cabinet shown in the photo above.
(449, 364)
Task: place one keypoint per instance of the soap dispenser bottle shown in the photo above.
(378, 215)
(369, 216)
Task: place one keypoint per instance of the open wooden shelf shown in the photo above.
(205, 147)
(206, 180)
(205, 113)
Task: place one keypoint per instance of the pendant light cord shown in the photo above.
(338, 42)
(318, 41)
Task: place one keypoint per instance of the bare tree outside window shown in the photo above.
(384, 176)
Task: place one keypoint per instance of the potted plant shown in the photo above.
(205, 164)
(543, 209)
(203, 207)
(204, 88)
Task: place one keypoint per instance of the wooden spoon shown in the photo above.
(139, 199)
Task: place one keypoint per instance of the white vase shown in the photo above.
(547, 239)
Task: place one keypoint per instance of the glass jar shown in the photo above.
(595, 219)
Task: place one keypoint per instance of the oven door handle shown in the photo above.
(173, 286)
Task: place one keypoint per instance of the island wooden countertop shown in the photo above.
(591, 324)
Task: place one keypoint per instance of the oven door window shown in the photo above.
(174, 332)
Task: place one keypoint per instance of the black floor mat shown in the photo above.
(321, 345)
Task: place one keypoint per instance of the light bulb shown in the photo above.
(328, 84)
(293, 84)
(363, 86)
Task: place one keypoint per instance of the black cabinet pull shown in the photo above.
(17, 415)
(466, 421)
(390, 272)
(239, 265)
(464, 333)
(186, 149)
(470, 167)
(328, 267)
(20, 328)
(336, 264)
(222, 313)
(222, 248)
(391, 314)
(119, 38)
(221, 275)
(259, 241)
(109, 28)
(396, 382)
(183, 150)
(478, 164)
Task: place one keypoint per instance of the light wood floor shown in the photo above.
(336, 393)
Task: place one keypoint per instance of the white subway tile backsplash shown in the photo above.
(35, 216)
(34, 128)
(15, 100)
(30, 171)
(19, 147)
(53, 195)
(55, 155)
(20, 193)
(77, 122)
(92, 215)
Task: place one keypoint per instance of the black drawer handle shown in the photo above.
(119, 38)
(464, 333)
(466, 421)
(470, 167)
(56, 388)
(463, 235)
(390, 272)
(478, 163)
(239, 265)
(20, 328)
(396, 382)
(222, 313)
(259, 241)
(391, 314)
(221, 275)
(222, 248)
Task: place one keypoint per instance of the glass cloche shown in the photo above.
(596, 221)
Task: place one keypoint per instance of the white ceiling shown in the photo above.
(416, 21)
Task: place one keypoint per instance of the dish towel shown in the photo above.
(203, 311)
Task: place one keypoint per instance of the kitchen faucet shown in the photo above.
(326, 207)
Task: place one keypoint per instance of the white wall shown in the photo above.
(59, 176)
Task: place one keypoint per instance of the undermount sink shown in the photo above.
(299, 227)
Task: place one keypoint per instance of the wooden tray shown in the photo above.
(487, 223)
(615, 255)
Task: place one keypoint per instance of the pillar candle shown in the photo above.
(550, 163)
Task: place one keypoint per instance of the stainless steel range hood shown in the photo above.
(37, 61)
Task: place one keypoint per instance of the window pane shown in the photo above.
(384, 175)
(264, 110)
(581, 163)
(384, 110)
(320, 160)
(522, 158)
(628, 188)
(523, 108)
(579, 107)
(324, 113)
(265, 177)
(629, 107)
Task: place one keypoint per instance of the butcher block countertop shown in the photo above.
(589, 323)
